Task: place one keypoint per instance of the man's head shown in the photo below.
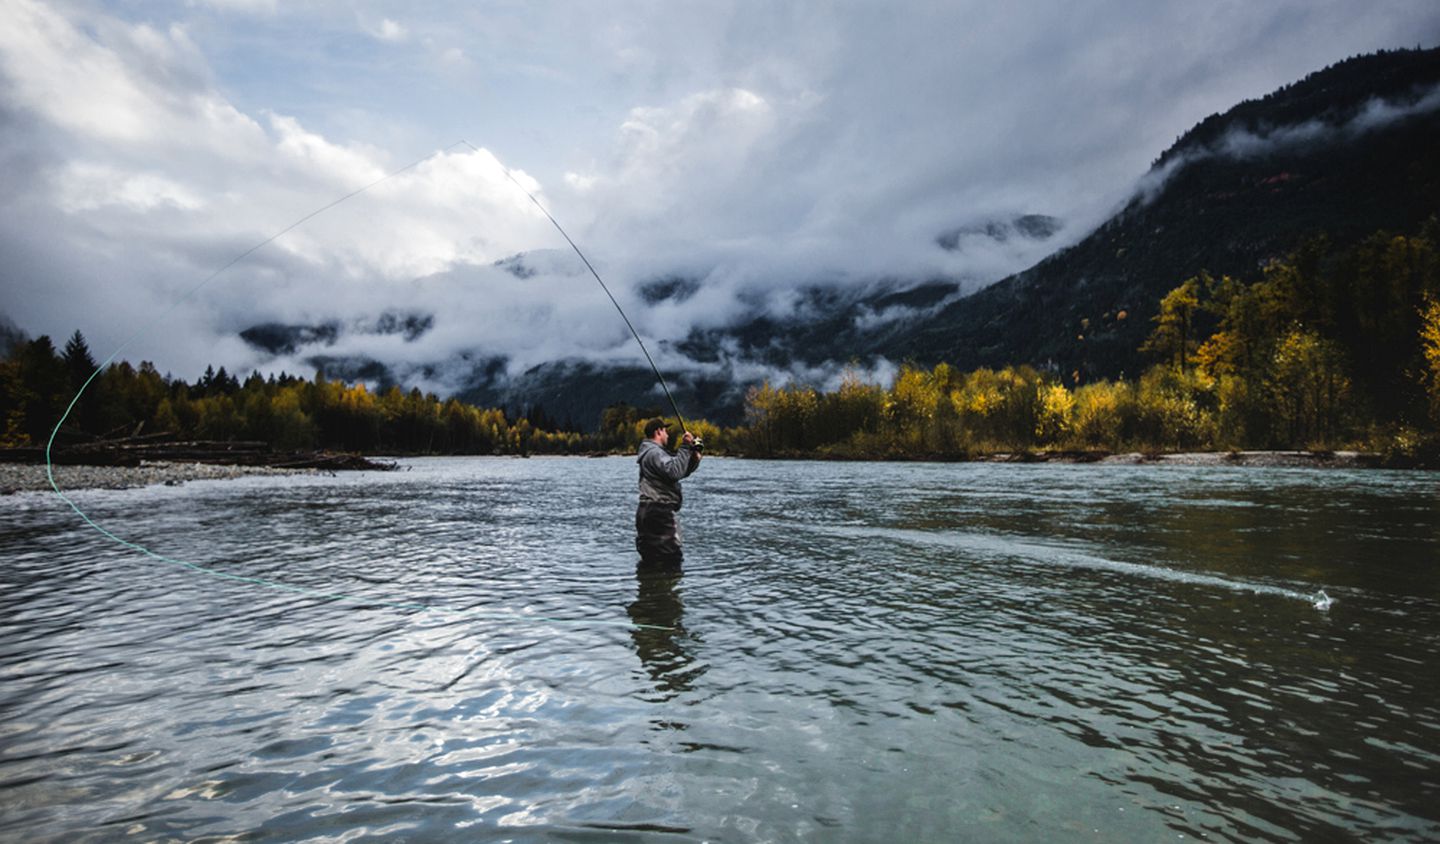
(655, 430)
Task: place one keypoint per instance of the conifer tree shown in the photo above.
(80, 366)
(78, 360)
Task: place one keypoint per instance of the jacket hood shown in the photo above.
(647, 446)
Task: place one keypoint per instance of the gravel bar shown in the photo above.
(23, 477)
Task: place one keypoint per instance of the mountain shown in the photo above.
(11, 336)
(821, 326)
(1031, 226)
(817, 329)
(281, 339)
(1347, 151)
(1343, 153)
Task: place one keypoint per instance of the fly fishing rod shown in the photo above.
(276, 585)
(603, 286)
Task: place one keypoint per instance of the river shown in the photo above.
(855, 652)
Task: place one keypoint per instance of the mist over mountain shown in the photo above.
(11, 336)
(280, 339)
(1342, 153)
(1346, 151)
(1030, 226)
(770, 191)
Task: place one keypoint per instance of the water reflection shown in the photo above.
(982, 652)
(661, 642)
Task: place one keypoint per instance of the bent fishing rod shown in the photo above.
(285, 587)
(603, 286)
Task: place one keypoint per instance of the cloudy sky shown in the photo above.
(753, 146)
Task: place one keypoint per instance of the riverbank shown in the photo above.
(1264, 459)
(17, 477)
(29, 477)
(1258, 459)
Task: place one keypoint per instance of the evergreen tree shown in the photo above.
(78, 360)
(44, 383)
(81, 365)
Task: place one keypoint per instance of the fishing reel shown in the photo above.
(698, 444)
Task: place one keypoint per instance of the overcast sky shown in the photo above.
(754, 146)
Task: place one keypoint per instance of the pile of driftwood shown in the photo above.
(151, 448)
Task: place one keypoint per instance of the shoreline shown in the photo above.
(1260, 459)
(1256, 459)
(31, 477)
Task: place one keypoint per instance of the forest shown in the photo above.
(1328, 348)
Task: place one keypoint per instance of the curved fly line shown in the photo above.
(302, 590)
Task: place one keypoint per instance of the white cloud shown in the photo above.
(753, 146)
(55, 69)
(579, 182)
(1242, 143)
(1375, 114)
(317, 155)
(84, 186)
(386, 30)
(453, 58)
(262, 7)
(194, 182)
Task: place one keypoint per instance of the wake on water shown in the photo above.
(995, 546)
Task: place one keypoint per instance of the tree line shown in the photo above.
(1327, 348)
(37, 383)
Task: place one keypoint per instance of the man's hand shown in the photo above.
(696, 444)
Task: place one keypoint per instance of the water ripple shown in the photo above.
(855, 652)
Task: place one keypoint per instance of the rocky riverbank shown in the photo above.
(1270, 459)
(18, 477)
(1266, 459)
(1258, 459)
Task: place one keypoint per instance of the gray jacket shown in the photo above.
(661, 472)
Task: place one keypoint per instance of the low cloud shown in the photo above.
(1376, 113)
(1244, 143)
(746, 153)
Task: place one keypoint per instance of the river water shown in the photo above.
(855, 652)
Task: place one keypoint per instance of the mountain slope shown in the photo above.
(1348, 150)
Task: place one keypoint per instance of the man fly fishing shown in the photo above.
(657, 529)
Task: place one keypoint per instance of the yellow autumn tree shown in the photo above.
(1308, 387)
(1173, 339)
(1056, 412)
(1097, 413)
(1430, 350)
